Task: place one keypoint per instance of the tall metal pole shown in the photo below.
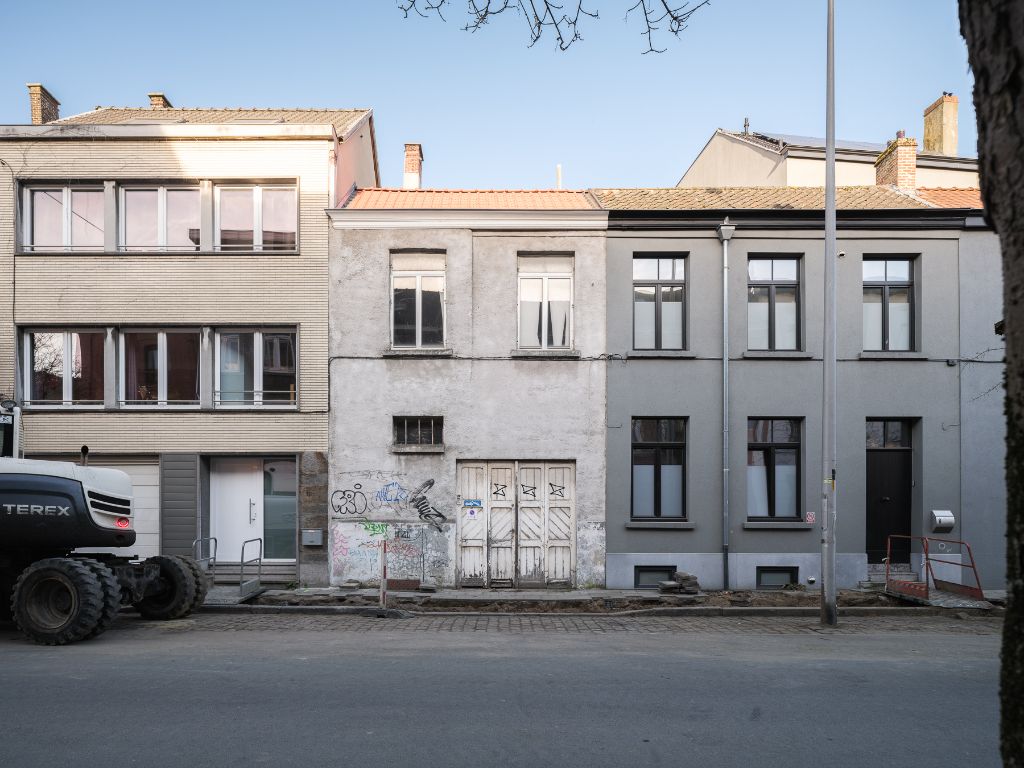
(829, 611)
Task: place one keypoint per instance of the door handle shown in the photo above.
(886, 498)
(252, 511)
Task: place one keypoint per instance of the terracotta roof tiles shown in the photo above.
(952, 197)
(473, 199)
(753, 198)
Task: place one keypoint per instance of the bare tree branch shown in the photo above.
(562, 19)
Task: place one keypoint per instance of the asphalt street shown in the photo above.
(495, 691)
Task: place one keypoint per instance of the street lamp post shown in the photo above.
(829, 611)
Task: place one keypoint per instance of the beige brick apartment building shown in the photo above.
(167, 308)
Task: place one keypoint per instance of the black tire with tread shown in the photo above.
(175, 600)
(202, 584)
(111, 593)
(51, 587)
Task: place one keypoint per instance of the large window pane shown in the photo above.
(873, 271)
(873, 318)
(759, 269)
(785, 318)
(899, 319)
(47, 218)
(757, 317)
(757, 484)
(236, 367)
(279, 219)
(141, 216)
(87, 219)
(279, 367)
(530, 296)
(279, 509)
(672, 317)
(405, 311)
(644, 460)
(645, 269)
(183, 218)
(559, 305)
(236, 218)
(432, 310)
(786, 482)
(643, 316)
(47, 367)
(671, 482)
(898, 270)
(784, 269)
(141, 367)
(182, 367)
(87, 367)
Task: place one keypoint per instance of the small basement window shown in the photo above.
(419, 430)
(648, 576)
(774, 577)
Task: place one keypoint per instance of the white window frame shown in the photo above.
(545, 276)
(66, 244)
(257, 216)
(161, 218)
(419, 275)
(66, 381)
(257, 364)
(161, 369)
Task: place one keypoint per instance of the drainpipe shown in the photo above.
(725, 232)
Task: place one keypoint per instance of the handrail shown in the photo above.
(919, 589)
(206, 563)
(252, 586)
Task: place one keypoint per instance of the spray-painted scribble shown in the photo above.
(375, 529)
(427, 512)
(529, 490)
(391, 493)
(557, 490)
(350, 501)
(499, 491)
(380, 475)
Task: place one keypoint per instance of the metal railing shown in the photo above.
(252, 586)
(209, 563)
(920, 589)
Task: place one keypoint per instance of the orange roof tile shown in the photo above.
(752, 198)
(473, 199)
(952, 197)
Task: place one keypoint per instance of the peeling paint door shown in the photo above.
(517, 524)
(472, 526)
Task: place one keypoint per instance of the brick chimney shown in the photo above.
(159, 101)
(896, 166)
(44, 108)
(940, 126)
(413, 176)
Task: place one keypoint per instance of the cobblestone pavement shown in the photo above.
(959, 624)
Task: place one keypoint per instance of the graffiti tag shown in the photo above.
(427, 512)
(350, 501)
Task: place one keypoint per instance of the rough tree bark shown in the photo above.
(994, 30)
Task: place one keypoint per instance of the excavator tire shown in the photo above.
(57, 600)
(173, 596)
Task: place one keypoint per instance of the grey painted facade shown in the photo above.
(498, 403)
(948, 389)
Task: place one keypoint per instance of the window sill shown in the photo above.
(879, 355)
(545, 354)
(639, 525)
(792, 525)
(417, 449)
(400, 353)
(654, 354)
(150, 254)
(779, 355)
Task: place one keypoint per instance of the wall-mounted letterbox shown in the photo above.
(312, 537)
(942, 521)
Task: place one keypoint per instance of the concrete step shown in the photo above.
(879, 576)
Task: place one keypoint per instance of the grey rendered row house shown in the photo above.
(513, 389)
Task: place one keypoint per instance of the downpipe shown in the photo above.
(725, 232)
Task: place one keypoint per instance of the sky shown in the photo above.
(490, 111)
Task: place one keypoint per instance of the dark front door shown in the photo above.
(889, 491)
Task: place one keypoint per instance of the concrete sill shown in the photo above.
(400, 353)
(779, 526)
(655, 354)
(892, 356)
(637, 525)
(417, 449)
(154, 254)
(545, 354)
(766, 355)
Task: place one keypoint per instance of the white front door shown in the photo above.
(236, 502)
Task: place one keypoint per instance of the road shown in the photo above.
(218, 690)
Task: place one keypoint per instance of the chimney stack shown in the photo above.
(413, 176)
(940, 126)
(159, 101)
(44, 108)
(896, 166)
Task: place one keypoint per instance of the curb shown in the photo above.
(695, 611)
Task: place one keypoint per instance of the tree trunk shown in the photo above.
(994, 30)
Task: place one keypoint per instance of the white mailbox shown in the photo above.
(942, 521)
